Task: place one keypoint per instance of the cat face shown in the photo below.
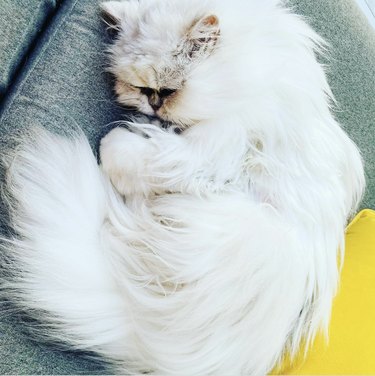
(156, 55)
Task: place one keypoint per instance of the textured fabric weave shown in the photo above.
(351, 72)
(21, 22)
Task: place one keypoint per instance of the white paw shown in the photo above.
(123, 158)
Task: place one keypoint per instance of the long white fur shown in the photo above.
(223, 255)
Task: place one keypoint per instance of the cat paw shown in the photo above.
(123, 157)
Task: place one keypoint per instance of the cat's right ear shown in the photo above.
(202, 36)
(119, 14)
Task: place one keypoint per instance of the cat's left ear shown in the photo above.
(118, 14)
(203, 35)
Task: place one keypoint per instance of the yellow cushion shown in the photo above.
(351, 347)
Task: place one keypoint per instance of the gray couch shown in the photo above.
(52, 74)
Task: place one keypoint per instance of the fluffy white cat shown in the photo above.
(214, 251)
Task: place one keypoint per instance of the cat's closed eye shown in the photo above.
(166, 92)
(146, 90)
(162, 93)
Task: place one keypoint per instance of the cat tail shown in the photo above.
(56, 267)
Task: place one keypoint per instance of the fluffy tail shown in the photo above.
(56, 266)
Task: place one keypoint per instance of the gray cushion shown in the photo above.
(20, 21)
(351, 73)
(21, 356)
(65, 84)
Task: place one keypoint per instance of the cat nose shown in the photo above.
(155, 101)
(156, 106)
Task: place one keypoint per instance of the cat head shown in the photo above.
(189, 61)
(159, 54)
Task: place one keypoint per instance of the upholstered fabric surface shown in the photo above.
(21, 21)
(64, 84)
(351, 72)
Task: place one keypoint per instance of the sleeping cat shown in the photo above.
(213, 251)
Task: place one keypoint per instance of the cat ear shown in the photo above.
(203, 36)
(118, 13)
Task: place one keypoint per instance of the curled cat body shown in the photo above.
(213, 251)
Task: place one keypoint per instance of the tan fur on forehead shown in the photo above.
(146, 75)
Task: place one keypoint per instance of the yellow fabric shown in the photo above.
(351, 346)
